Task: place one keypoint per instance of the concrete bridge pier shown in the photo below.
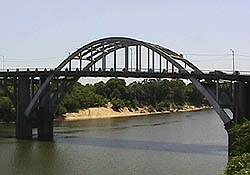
(23, 123)
(45, 117)
(45, 124)
(241, 110)
(242, 102)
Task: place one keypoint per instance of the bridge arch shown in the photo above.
(98, 50)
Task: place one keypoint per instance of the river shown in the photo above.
(188, 143)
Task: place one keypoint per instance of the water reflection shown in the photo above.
(32, 157)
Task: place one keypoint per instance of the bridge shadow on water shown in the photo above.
(219, 150)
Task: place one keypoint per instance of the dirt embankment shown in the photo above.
(108, 112)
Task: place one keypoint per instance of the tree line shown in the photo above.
(155, 94)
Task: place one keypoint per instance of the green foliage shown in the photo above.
(177, 92)
(162, 106)
(239, 165)
(71, 104)
(117, 104)
(116, 94)
(100, 88)
(134, 103)
(61, 110)
(151, 108)
(116, 88)
(1, 93)
(194, 97)
(7, 112)
(242, 138)
(157, 94)
(83, 97)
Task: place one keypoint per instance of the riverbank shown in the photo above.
(108, 112)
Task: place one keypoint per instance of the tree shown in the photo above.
(157, 93)
(7, 112)
(177, 92)
(116, 94)
(117, 104)
(100, 88)
(115, 84)
(194, 97)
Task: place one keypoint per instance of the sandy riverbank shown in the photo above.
(108, 112)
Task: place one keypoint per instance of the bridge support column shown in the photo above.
(23, 123)
(242, 102)
(45, 124)
(241, 110)
(231, 138)
(45, 118)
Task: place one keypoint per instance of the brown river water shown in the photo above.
(188, 143)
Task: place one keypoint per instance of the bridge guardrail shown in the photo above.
(207, 71)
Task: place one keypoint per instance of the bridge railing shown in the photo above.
(110, 69)
(26, 69)
(95, 70)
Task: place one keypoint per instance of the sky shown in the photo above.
(40, 33)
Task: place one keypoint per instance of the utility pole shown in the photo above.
(233, 54)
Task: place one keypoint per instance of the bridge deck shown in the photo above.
(212, 76)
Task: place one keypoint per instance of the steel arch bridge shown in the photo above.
(37, 94)
(98, 50)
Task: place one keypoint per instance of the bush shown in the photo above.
(151, 108)
(239, 165)
(61, 110)
(160, 107)
(100, 101)
(71, 104)
(134, 104)
(242, 138)
(7, 112)
(117, 104)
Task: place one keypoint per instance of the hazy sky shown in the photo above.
(46, 29)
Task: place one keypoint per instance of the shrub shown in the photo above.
(7, 112)
(134, 104)
(151, 108)
(160, 106)
(241, 133)
(72, 105)
(117, 104)
(61, 110)
(239, 165)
